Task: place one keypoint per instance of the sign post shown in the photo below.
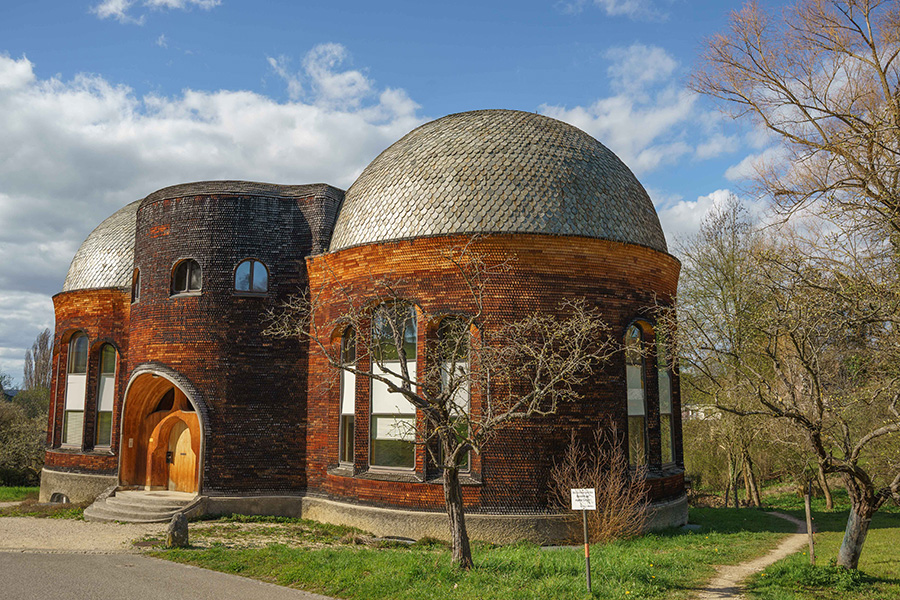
(585, 499)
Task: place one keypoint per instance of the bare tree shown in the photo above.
(825, 79)
(38, 362)
(481, 373)
(821, 356)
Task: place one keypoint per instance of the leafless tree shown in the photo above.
(511, 370)
(38, 362)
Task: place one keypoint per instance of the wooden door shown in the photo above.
(183, 464)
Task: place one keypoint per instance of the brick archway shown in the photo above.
(155, 406)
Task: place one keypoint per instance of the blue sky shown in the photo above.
(105, 101)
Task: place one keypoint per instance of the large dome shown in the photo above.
(106, 258)
(497, 171)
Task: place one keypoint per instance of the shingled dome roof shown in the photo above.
(497, 171)
(106, 257)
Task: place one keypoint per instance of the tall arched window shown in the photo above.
(105, 394)
(665, 400)
(453, 347)
(187, 277)
(251, 276)
(637, 410)
(348, 397)
(393, 417)
(76, 380)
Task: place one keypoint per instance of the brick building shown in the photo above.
(163, 379)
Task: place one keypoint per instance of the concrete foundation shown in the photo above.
(77, 487)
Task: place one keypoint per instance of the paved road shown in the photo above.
(34, 576)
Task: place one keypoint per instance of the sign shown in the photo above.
(584, 499)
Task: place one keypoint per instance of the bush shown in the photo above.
(621, 491)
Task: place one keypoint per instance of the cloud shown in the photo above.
(119, 9)
(321, 75)
(646, 122)
(638, 10)
(162, 41)
(752, 163)
(77, 150)
(681, 219)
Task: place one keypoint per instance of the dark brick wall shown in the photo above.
(252, 387)
(103, 315)
(624, 281)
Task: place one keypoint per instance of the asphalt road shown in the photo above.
(32, 576)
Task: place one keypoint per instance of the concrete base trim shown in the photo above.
(499, 529)
(77, 487)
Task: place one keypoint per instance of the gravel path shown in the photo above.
(727, 583)
(66, 535)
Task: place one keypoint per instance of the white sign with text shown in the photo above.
(584, 499)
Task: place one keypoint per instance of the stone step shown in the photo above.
(135, 506)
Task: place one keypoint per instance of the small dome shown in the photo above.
(106, 258)
(497, 171)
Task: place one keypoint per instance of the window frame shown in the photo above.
(75, 378)
(191, 265)
(347, 452)
(104, 379)
(639, 361)
(136, 286)
(458, 361)
(664, 372)
(253, 262)
(379, 348)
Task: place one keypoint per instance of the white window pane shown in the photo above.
(73, 428)
(75, 391)
(385, 402)
(394, 428)
(665, 393)
(633, 374)
(106, 392)
(635, 405)
(348, 393)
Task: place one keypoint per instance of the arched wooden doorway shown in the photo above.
(161, 437)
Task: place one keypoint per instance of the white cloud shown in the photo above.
(74, 151)
(646, 121)
(716, 145)
(752, 163)
(638, 10)
(681, 219)
(161, 41)
(120, 9)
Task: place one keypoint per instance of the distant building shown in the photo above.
(164, 380)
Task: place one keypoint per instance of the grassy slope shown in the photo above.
(879, 566)
(667, 565)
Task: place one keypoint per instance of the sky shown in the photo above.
(105, 101)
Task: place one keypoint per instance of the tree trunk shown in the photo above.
(823, 483)
(459, 538)
(750, 481)
(855, 535)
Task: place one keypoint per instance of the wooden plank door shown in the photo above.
(183, 468)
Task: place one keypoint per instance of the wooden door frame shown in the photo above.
(193, 397)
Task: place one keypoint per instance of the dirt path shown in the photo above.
(727, 583)
(26, 534)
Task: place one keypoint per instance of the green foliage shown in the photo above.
(35, 402)
(21, 445)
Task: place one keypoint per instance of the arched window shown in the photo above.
(665, 400)
(453, 347)
(637, 410)
(393, 417)
(348, 397)
(251, 276)
(135, 285)
(187, 277)
(105, 394)
(76, 380)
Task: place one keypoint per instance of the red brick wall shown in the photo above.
(624, 281)
(102, 315)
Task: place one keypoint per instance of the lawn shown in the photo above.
(17, 494)
(667, 565)
(793, 578)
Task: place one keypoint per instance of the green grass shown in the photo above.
(794, 578)
(668, 565)
(17, 494)
(31, 508)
